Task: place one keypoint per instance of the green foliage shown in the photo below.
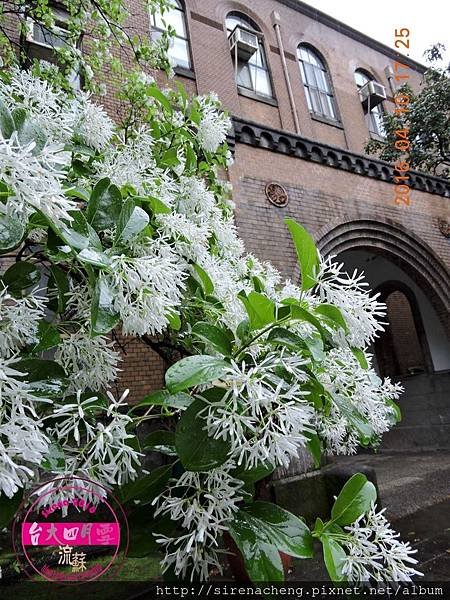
(426, 119)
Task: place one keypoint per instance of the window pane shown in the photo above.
(310, 75)
(361, 78)
(315, 101)
(55, 39)
(322, 81)
(179, 51)
(261, 81)
(243, 75)
(328, 103)
(175, 18)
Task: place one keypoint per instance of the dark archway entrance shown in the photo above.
(415, 349)
(403, 347)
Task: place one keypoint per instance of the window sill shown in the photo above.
(258, 97)
(331, 122)
(183, 72)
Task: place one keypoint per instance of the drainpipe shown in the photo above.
(276, 19)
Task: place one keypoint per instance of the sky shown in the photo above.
(427, 20)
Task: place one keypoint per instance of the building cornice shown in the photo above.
(337, 25)
(275, 140)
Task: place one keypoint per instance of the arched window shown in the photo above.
(375, 115)
(317, 82)
(175, 17)
(251, 73)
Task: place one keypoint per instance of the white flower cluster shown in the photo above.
(264, 417)
(374, 552)
(356, 394)
(214, 126)
(361, 311)
(33, 165)
(22, 441)
(19, 321)
(90, 362)
(109, 458)
(202, 504)
(147, 289)
(56, 115)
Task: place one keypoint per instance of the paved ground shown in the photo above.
(415, 489)
(408, 482)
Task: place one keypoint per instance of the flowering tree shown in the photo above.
(132, 228)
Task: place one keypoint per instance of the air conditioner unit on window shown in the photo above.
(372, 94)
(244, 42)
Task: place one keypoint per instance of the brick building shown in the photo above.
(291, 78)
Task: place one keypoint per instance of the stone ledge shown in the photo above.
(290, 144)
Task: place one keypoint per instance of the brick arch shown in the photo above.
(223, 8)
(402, 247)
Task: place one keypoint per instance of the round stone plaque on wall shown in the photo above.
(276, 194)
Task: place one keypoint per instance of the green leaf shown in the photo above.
(170, 158)
(307, 255)
(157, 207)
(314, 343)
(161, 441)
(156, 93)
(204, 278)
(46, 377)
(334, 556)
(7, 126)
(261, 558)
(166, 399)
(58, 287)
(79, 234)
(104, 205)
(332, 315)
(146, 488)
(55, 458)
(284, 337)
(174, 321)
(77, 192)
(9, 507)
(315, 448)
(260, 309)
(132, 221)
(254, 474)
(360, 357)
(103, 316)
(194, 370)
(358, 421)
(354, 500)
(302, 314)
(30, 131)
(20, 276)
(286, 531)
(94, 257)
(214, 336)
(198, 451)
(11, 233)
(397, 413)
(48, 337)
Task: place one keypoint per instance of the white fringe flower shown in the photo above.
(202, 504)
(19, 320)
(90, 362)
(374, 551)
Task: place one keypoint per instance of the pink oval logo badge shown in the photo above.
(70, 530)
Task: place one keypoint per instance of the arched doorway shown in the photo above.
(415, 348)
(402, 349)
